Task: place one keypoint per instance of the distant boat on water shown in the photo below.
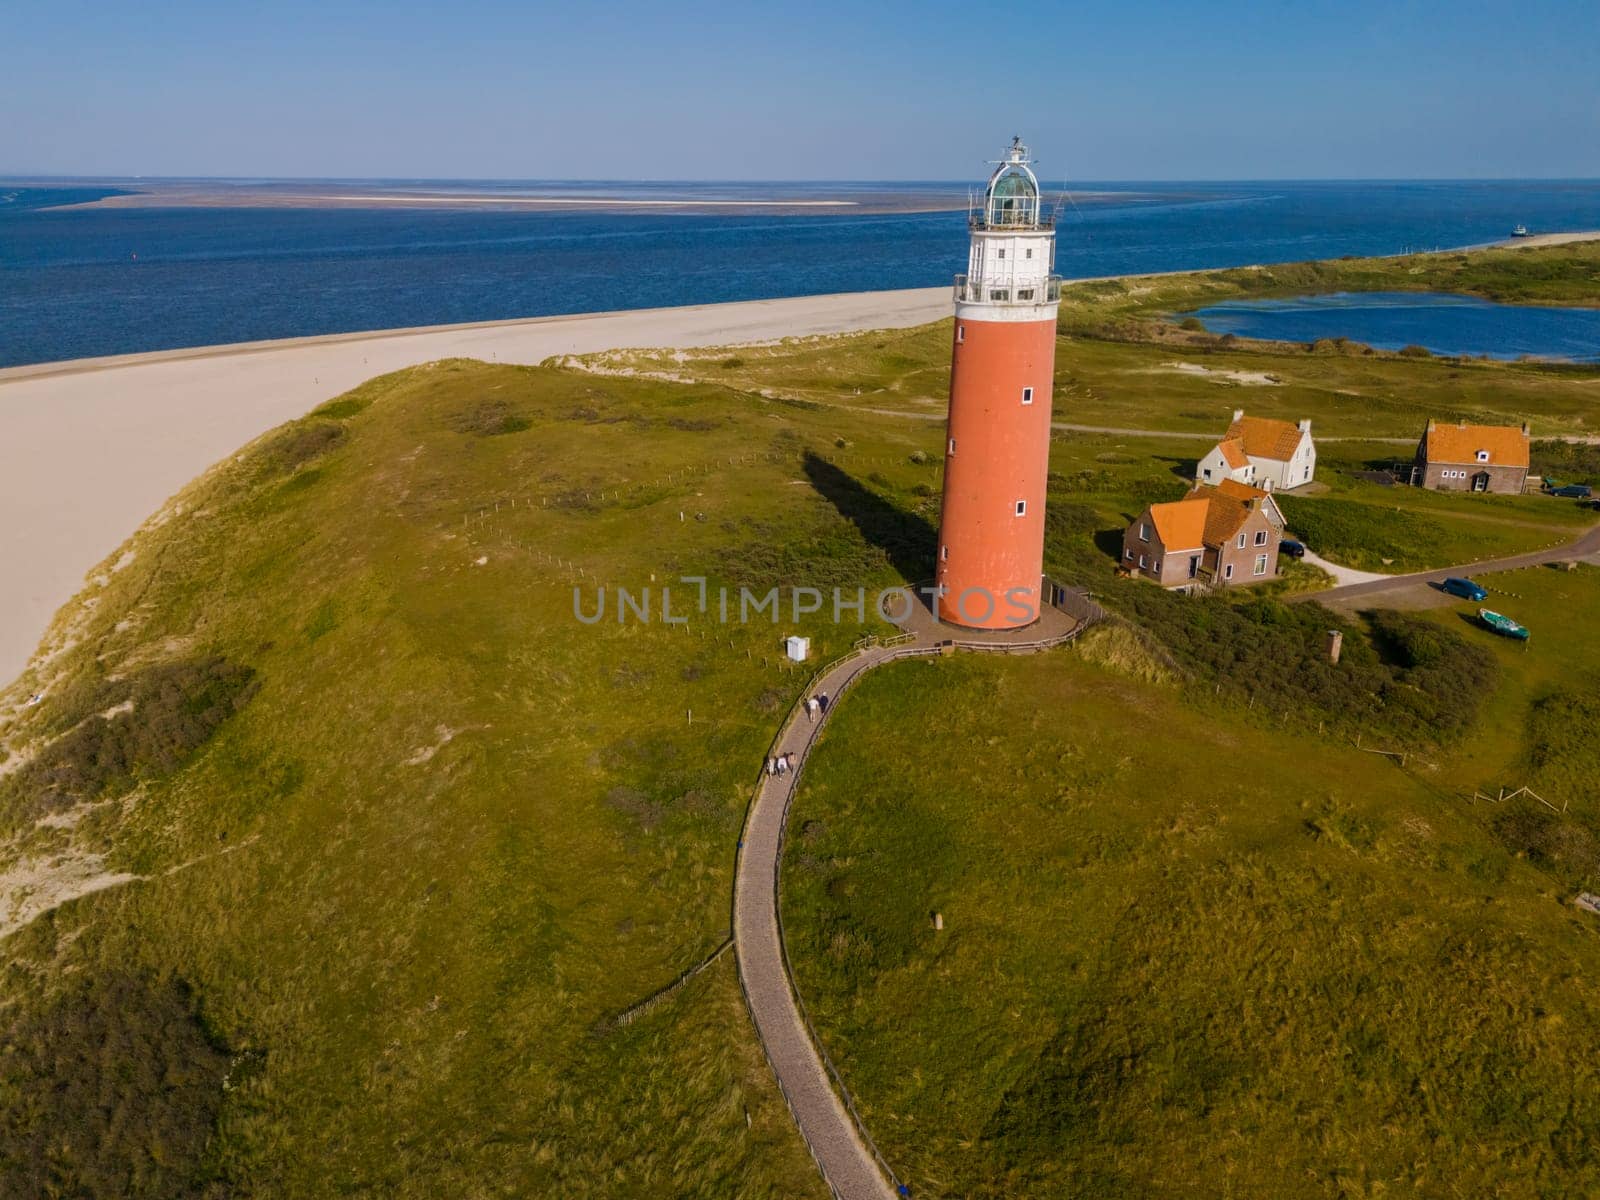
(1521, 231)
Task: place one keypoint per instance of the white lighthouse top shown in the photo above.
(1011, 200)
(1011, 260)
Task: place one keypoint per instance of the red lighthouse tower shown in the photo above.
(997, 451)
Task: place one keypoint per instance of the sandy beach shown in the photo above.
(90, 448)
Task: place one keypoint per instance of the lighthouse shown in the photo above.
(997, 440)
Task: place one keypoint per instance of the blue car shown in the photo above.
(1464, 588)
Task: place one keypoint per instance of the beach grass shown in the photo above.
(1186, 951)
(350, 852)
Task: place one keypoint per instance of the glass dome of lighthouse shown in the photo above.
(1012, 197)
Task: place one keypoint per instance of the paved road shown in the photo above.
(842, 1149)
(1586, 546)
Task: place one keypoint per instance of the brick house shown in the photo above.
(1472, 458)
(1214, 537)
(1261, 452)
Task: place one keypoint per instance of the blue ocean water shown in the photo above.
(77, 282)
(1443, 322)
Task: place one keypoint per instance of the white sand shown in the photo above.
(89, 449)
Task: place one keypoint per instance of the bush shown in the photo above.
(488, 418)
(175, 708)
(1412, 680)
(112, 1088)
(1415, 351)
(1192, 324)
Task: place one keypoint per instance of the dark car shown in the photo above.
(1573, 491)
(1292, 548)
(1464, 588)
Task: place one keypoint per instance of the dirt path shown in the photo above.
(850, 1163)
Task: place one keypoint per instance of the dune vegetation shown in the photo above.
(341, 854)
(1191, 948)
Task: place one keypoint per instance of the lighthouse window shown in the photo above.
(961, 333)
(1000, 294)
(1029, 252)
(1027, 394)
(1022, 508)
(952, 445)
(1025, 294)
(944, 553)
(1002, 253)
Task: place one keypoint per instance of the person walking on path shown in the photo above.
(811, 708)
(821, 701)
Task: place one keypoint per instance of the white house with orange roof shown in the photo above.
(1261, 452)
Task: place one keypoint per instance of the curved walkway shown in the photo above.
(844, 1152)
(1585, 546)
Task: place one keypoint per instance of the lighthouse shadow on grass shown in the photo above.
(905, 538)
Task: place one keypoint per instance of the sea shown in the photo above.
(83, 281)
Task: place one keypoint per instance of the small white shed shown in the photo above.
(798, 648)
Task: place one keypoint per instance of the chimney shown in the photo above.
(1524, 429)
(1431, 424)
(1238, 414)
(1305, 425)
(1335, 645)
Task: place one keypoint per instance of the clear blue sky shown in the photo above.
(634, 89)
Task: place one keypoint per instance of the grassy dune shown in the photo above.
(339, 852)
(397, 887)
(1189, 952)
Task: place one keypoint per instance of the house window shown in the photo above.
(1227, 571)
(1022, 508)
(1261, 537)
(1483, 456)
(1141, 562)
(1127, 553)
(1261, 564)
(952, 445)
(961, 333)
(1144, 532)
(1156, 567)
(1207, 472)
(1241, 541)
(1027, 395)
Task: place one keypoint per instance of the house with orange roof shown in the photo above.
(1261, 452)
(1214, 537)
(1472, 458)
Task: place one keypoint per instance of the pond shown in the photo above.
(1443, 322)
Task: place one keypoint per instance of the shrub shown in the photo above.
(175, 708)
(1192, 324)
(112, 1088)
(1412, 680)
(488, 418)
(303, 442)
(1415, 351)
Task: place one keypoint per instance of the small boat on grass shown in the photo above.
(1502, 624)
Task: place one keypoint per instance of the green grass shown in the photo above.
(413, 835)
(409, 836)
(1184, 952)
